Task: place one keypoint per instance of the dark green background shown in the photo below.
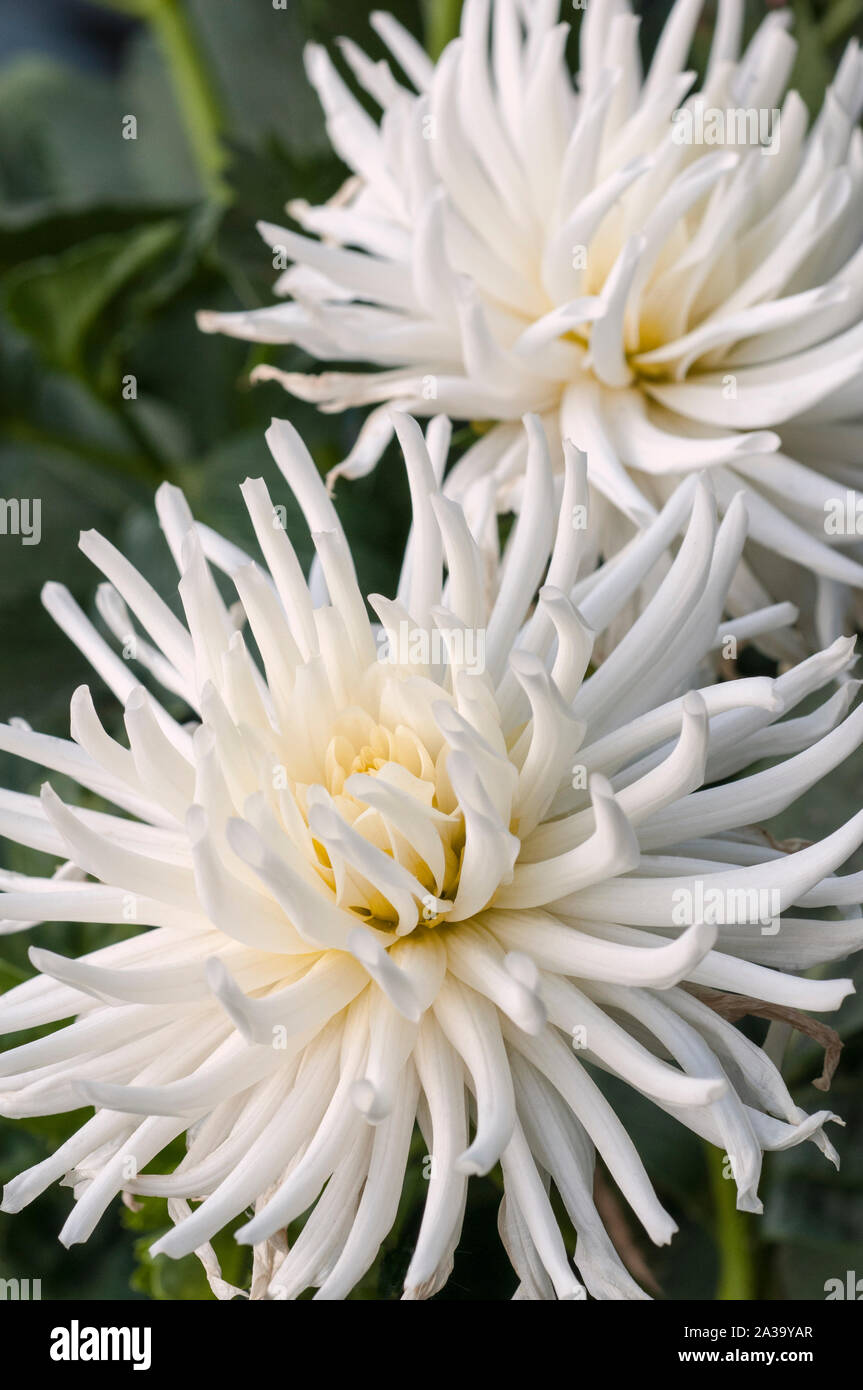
(107, 248)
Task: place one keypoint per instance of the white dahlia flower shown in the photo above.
(443, 880)
(673, 281)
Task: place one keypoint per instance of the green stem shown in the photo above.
(733, 1236)
(441, 20)
(195, 90)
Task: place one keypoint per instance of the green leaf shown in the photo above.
(262, 177)
(62, 497)
(255, 55)
(11, 975)
(162, 1278)
(813, 69)
(36, 229)
(813, 1213)
(61, 136)
(57, 300)
(441, 23)
(839, 17)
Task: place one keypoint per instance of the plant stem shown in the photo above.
(732, 1230)
(195, 90)
(440, 24)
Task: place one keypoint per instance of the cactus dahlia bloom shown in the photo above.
(672, 280)
(401, 882)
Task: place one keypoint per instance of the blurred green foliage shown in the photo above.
(107, 248)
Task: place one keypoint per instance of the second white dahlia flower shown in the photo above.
(445, 880)
(671, 278)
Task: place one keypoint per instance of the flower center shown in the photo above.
(367, 760)
(384, 785)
